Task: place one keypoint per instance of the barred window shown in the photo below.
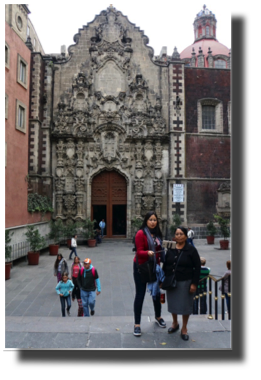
(208, 117)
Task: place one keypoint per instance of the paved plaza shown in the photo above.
(33, 313)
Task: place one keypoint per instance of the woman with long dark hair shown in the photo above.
(60, 266)
(148, 245)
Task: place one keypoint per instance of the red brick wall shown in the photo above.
(17, 142)
(205, 83)
(202, 197)
(207, 157)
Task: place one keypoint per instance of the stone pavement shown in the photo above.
(33, 315)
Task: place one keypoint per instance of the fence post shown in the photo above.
(210, 300)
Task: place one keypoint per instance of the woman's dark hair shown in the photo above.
(57, 261)
(183, 229)
(158, 232)
(228, 264)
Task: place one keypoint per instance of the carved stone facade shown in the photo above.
(111, 106)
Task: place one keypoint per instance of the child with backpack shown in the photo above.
(89, 283)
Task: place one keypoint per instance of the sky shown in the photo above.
(170, 24)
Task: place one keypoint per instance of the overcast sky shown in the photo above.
(165, 23)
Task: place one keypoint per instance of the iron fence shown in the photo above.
(203, 299)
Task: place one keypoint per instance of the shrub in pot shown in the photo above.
(55, 234)
(176, 223)
(89, 232)
(136, 225)
(224, 229)
(212, 230)
(36, 242)
(70, 230)
(8, 251)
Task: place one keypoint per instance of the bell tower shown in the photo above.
(205, 25)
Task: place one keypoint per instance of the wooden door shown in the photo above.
(109, 189)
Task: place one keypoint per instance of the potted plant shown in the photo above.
(36, 242)
(224, 229)
(212, 230)
(69, 230)
(56, 231)
(88, 232)
(176, 223)
(136, 225)
(8, 251)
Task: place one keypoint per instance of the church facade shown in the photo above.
(116, 132)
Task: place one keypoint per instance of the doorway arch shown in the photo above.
(109, 202)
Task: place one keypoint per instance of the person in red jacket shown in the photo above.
(148, 245)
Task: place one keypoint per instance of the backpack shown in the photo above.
(93, 273)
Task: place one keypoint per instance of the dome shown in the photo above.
(216, 48)
(205, 43)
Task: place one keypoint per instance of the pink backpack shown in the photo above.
(93, 273)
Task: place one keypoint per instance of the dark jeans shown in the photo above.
(68, 301)
(139, 297)
(228, 302)
(73, 251)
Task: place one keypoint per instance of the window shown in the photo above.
(22, 75)
(20, 116)
(22, 71)
(28, 31)
(207, 30)
(208, 117)
(220, 64)
(7, 55)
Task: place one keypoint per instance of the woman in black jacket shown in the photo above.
(180, 298)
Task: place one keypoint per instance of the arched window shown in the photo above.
(220, 64)
(207, 30)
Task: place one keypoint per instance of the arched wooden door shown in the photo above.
(109, 202)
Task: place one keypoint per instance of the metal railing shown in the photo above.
(21, 249)
(202, 296)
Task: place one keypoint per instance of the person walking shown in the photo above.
(60, 266)
(190, 236)
(76, 293)
(148, 245)
(73, 247)
(184, 259)
(89, 282)
(64, 289)
(102, 225)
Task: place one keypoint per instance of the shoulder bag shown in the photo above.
(170, 281)
(147, 270)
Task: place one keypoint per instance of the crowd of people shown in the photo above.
(182, 275)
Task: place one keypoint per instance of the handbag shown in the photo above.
(170, 281)
(146, 271)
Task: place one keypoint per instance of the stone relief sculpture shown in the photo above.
(108, 120)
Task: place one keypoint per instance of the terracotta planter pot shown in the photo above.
(91, 242)
(7, 270)
(33, 258)
(210, 239)
(224, 244)
(53, 249)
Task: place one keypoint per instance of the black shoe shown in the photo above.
(160, 322)
(137, 331)
(68, 312)
(184, 336)
(92, 312)
(173, 329)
